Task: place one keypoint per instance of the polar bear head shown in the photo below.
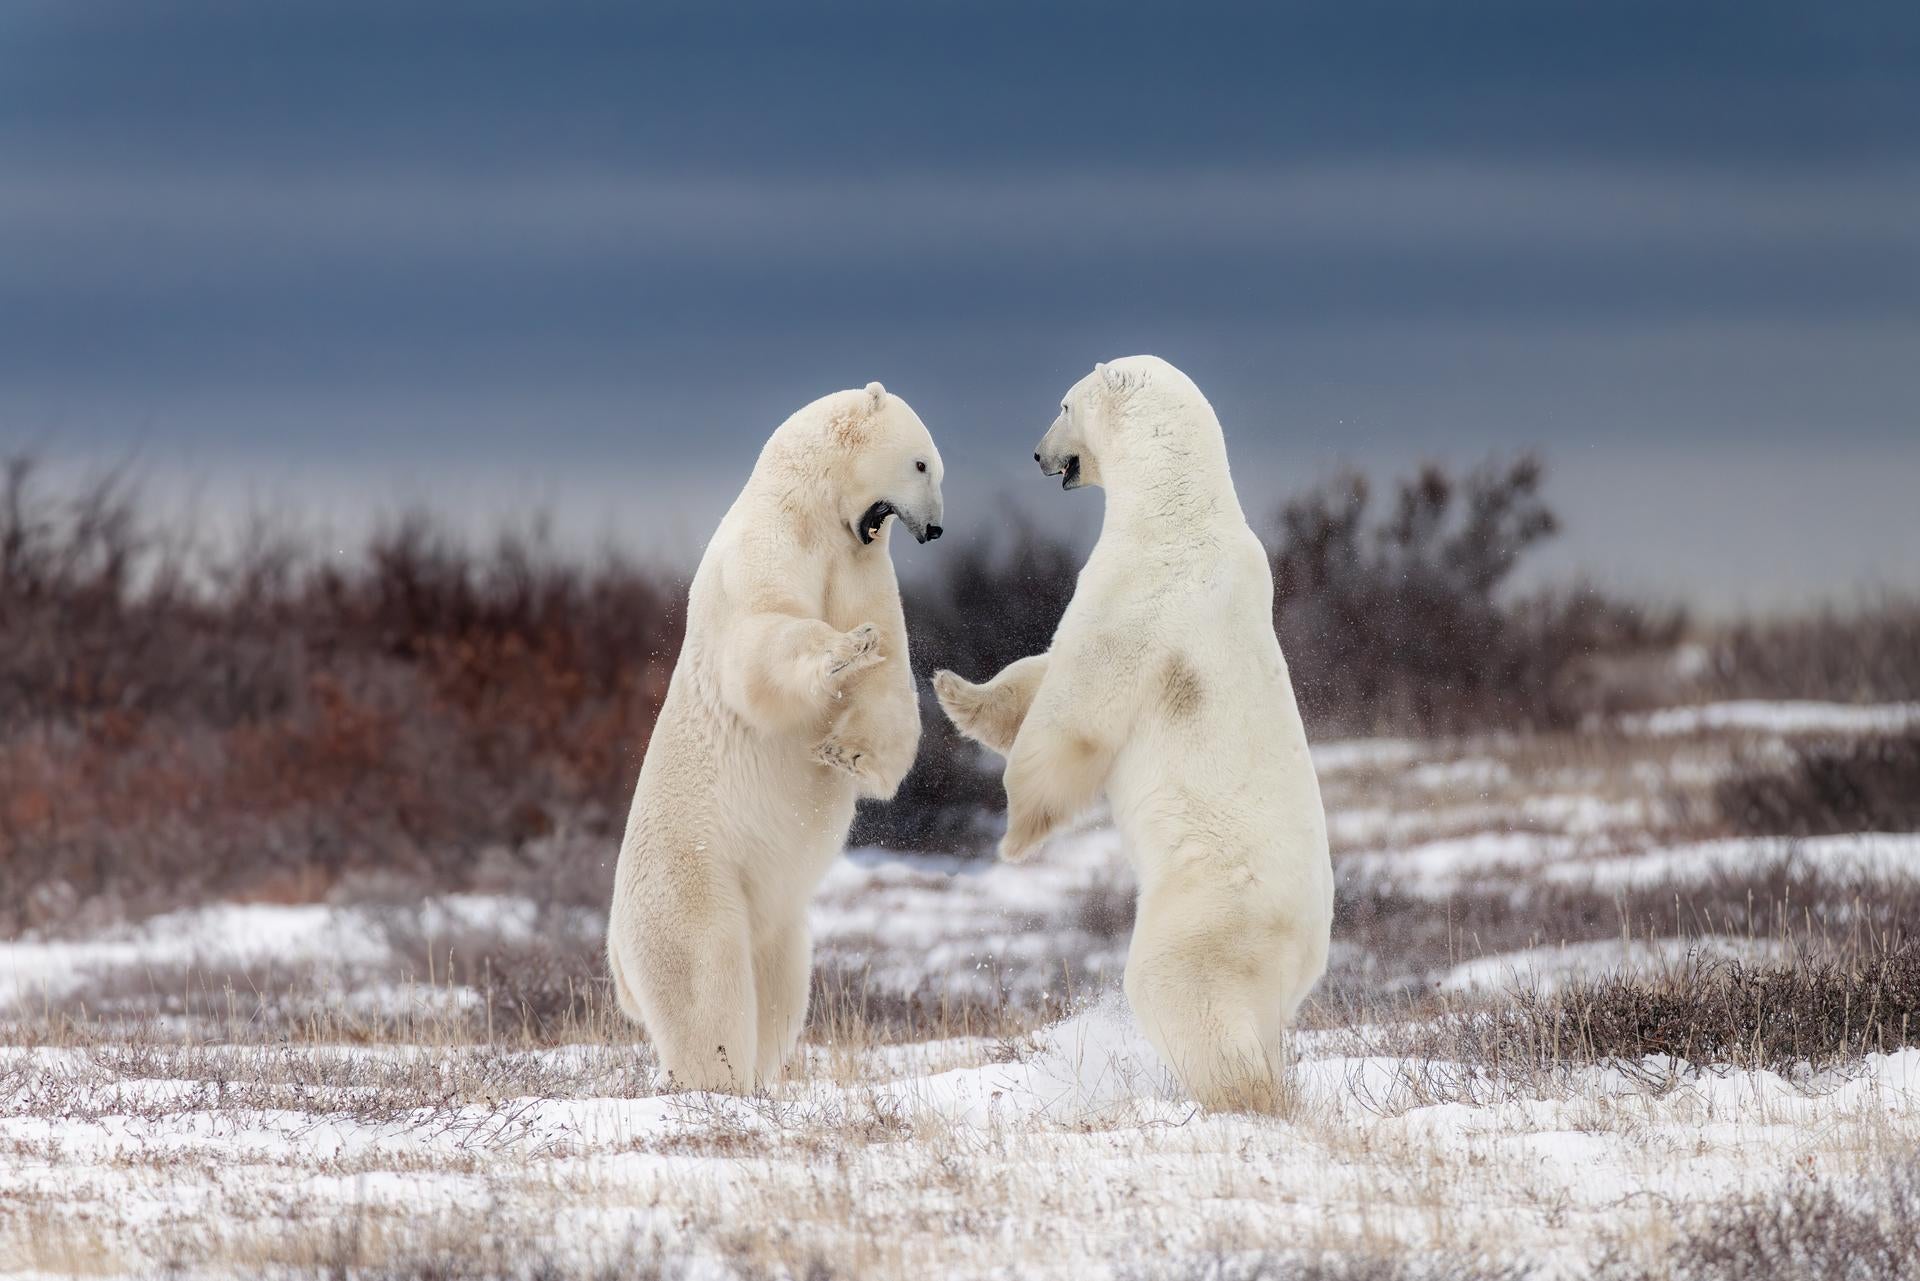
(866, 456)
(1137, 420)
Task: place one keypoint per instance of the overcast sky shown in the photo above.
(340, 256)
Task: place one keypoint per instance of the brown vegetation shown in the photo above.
(1400, 624)
(1813, 1012)
(178, 721)
(1866, 655)
(1230, 1265)
(1864, 1230)
(1869, 784)
(258, 723)
(1774, 900)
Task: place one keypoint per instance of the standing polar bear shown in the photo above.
(1165, 687)
(791, 698)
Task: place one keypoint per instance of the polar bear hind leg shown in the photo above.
(1203, 991)
(629, 1003)
(783, 977)
(696, 999)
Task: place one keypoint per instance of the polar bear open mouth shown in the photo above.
(872, 519)
(1070, 474)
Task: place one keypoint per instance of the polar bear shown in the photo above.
(792, 697)
(1165, 688)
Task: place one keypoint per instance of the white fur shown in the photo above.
(1166, 689)
(791, 697)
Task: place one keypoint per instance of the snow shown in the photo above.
(1364, 753)
(1778, 717)
(907, 920)
(1083, 1130)
(1439, 868)
(972, 925)
(1469, 772)
(1443, 868)
(220, 936)
(1349, 826)
(1881, 856)
(1094, 1065)
(1065, 1150)
(1580, 814)
(1544, 969)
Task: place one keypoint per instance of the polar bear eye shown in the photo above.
(919, 466)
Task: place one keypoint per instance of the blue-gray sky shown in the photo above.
(343, 255)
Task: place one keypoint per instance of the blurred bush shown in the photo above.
(1870, 654)
(178, 721)
(985, 605)
(1397, 623)
(1869, 784)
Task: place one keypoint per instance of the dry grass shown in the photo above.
(453, 1141)
(476, 1251)
(464, 1100)
(1399, 623)
(266, 721)
(1809, 1014)
(1866, 655)
(1865, 1229)
(515, 994)
(1409, 935)
(181, 723)
(307, 1159)
(1869, 784)
(1224, 1264)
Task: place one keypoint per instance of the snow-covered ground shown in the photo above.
(1076, 1161)
(245, 1089)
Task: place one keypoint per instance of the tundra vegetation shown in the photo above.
(304, 855)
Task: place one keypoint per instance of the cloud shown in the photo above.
(544, 238)
(876, 86)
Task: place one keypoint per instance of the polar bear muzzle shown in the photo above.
(874, 516)
(1067, 468)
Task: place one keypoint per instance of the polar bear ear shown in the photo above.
(876, 393)
(1116, 379)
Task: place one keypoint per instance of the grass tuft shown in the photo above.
(1869, 784)
(1812, 1013)
(1867, 1230)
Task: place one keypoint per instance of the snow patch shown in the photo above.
(1093, 1067)
(1776, 717)
(1546, 969)
(1882, 856)
(1439, 868)
(218, 936)
(1364, 753)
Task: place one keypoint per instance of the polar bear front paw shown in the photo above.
(959, 697)
(852, 652)
(850, 759)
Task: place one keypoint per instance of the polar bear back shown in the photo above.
(1214, 719)
(1179, 592)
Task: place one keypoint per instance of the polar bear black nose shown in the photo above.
(1036, 455)
(933, 532)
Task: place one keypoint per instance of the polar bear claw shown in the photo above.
(854, 651)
